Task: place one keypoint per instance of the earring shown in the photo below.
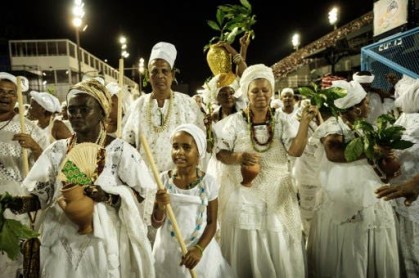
(358, 111)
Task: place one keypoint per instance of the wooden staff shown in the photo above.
(169, 209)
(25, 160)
(121, 85)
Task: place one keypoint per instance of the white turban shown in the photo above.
(23, 80)
(287, 90)
(363, 78)
(256, 72)
(113, 88)
(197, 134)
(408, 101)
(213, 87)
(47, 101)
(355, 93)
(165, 51)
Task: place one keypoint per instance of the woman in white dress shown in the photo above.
(261, 232)
(194, 200)
(352, 233)
(408, 216)
(118, 245)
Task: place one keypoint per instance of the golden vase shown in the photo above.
(219, 60)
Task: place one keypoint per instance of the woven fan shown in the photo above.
(79, 166)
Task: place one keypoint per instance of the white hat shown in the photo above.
(255, 72)
(287, 90)
(165, 51)
(47, 101)
(24, 81)
(363, 78)
(355, 93)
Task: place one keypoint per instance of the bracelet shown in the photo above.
(158, 221)
(200, 248)
(237, 58)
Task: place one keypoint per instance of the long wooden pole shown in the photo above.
(169, 209)
(120, 96)
(25, 161)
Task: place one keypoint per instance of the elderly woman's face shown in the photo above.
(84, 113)
(259, 93)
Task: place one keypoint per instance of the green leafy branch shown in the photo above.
(231, 21)
(323, 98)
(12, 231)
(370, 140)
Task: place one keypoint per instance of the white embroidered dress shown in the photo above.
(118, 247)
(408, 217)
(353, 232)
(190, 210)
(260, 226)
(11, 175)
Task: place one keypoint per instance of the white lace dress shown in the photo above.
(11, 175)
(408, 217)
(260, 226)
(118, 247)
(353, 232)
(190, 210)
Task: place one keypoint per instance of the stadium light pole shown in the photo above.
(78, 14)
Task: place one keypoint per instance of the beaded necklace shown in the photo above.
(270, 124)
(201, 210)
(165, 122)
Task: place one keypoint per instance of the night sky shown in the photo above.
(182, 23)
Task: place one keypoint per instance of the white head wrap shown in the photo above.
(23, 80)
(213, 87)
(363, 78)
(287, 90)
(113, 88)
(47, 101)
(355, 93)
(408, 101)
(256, 72)
(165, 51)
(97, 78)
(197, 134)
(403, 85)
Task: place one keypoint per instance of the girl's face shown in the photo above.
(184, 150)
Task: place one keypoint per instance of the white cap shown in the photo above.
(47, 101)
(287, 90)
(113, 88)
(24, 81)
(165, 51)
(363, 78)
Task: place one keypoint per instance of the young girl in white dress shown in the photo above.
(193, 196)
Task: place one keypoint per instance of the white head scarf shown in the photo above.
(363, 78)
(47, 101)
(165, 51)
(197, 134)
(287, 90)
(355, 93)
(256, 72)
(408, 101)
(23, 80)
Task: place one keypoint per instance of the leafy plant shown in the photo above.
(323, 98)
(371, 140)
(12, 231)
(231, 21)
